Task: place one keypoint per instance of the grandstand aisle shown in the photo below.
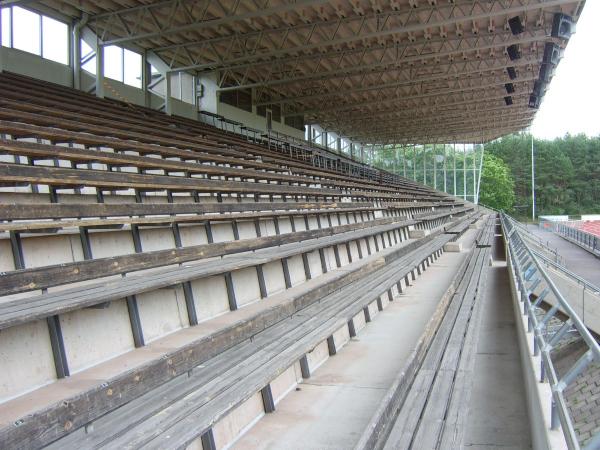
(332, 408)
(497, 416)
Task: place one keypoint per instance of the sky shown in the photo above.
(572, 103)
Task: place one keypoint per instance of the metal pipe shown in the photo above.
(465, 172)
(532, 181)
(454, 162)
(445, 171)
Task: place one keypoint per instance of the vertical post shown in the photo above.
(76, 53)
(445, 170)
(168, 97)
(404, 161)
(146, 80)
(99, 69)
(1, 47)
(464, 171)
(424, 166)
(532, 181)
(415, 162)
(434, 166)
(474, 175)
(454, 161)
(480, 170)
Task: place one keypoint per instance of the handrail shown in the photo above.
(530, 274)
(563, 269)
(529, 233)
(319, 155)
(588, 241)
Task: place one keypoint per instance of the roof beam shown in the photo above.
(468, 45)
(343, 107)
(448, 70)
(409, 111)
(473, 120)
(233, 16)
(361, 36)
(437, 117)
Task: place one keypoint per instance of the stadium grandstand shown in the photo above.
(197, 250)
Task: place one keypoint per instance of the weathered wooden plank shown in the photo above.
(43, 277)
(72, 178)
(41, 226)
(80, 210)
(45, 426)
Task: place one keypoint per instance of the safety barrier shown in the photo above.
(530, 275)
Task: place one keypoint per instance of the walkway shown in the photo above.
(331, 410)
(333, 407)
(498, 412)
(576, 259)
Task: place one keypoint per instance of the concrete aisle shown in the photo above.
(497, 412)
(576, 259)
(331, 410)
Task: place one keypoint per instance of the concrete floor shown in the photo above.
(497, 411)
(576, 259)
(331, 410)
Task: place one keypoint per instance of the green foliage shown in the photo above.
(497, 186)
(567, 173)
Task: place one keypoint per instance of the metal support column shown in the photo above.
(146, 80)
(168, 97)
(445, 170)
(415, 162)
(99, 69)
(532, 181)
(480, 170)
(1, 47)
(454, 162)
(464, 171)
(474, 175)
(434, 166)
(404, 161)
(424, 167)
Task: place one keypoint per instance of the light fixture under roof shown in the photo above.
(515, 25)
(514, 52)
(563, 26)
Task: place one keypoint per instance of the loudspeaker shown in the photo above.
(534, 101)
(514, 52)
(516, 26)
(508, 100)
(552, 53)
(539, 88)
(563, 26)
(512, 73)
(510, 88)
(546, 72)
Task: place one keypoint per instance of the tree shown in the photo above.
(497, 186)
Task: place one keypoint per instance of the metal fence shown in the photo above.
(532, 277)
(569, 230)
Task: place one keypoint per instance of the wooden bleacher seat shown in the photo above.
(148, 258)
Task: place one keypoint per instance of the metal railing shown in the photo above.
(318, 155)
(530, 276)
(588, 241)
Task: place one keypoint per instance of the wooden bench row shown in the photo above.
(22, 87)
(24, 280)
(21, 90)
(66, 178)
(147, 383)
(420, 409)
(77, 156)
